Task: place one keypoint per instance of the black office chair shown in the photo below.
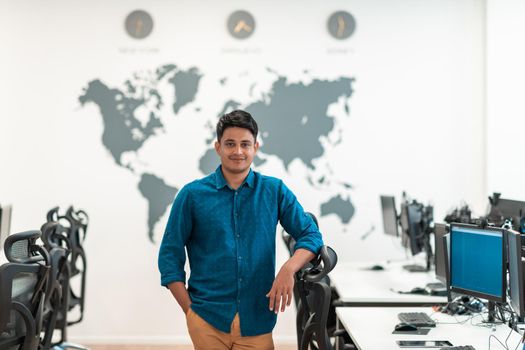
(56, 303)
(312, 315)
(76, 224)
(23, 282)
(79, 224)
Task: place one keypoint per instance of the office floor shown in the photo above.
(165, 347)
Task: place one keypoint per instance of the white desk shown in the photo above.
(371, 329)
(357, 285)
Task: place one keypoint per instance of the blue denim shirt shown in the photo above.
(230, 239)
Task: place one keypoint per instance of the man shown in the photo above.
(227, 223)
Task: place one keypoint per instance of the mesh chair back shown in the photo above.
(23, 281)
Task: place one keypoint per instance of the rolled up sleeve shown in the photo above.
(297, 223)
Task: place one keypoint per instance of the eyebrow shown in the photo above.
(232, 140)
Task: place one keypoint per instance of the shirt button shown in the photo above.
(235, 214)
(238, 236)
(236, 193)
(240, 279)
(240, 258)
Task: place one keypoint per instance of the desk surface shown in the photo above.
(357, 285)
(371, 328)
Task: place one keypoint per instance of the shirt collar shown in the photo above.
(250, 179)
(220, 181)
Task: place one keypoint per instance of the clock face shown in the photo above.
(139, 24)
(341, 25)
(241, 24)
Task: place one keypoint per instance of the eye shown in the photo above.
(229, 144)
(245, 144)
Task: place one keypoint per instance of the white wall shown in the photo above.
(416, 124)
(505, 96)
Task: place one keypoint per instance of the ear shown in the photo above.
(217, 147)
(256, 146)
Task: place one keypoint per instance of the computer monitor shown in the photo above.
(388, 206)
(403, 221)
(415, 231)
(5, 223)
(446, 250)
(478, 262)
(516, 270)
(440, 230)
(503, 209)
(416, 220)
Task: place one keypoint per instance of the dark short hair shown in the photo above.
(238, 119)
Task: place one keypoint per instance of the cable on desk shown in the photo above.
(470, 317)
(519, 342)
(522, 341)
(506, 339)
(506, 345)
(493, 336)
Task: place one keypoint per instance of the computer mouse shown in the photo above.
(405, 327)
(418, 290)
(377, 268)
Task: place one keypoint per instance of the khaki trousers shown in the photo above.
(206, 337)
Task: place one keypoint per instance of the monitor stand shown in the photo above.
(492, 313)
(436, 288)
(436, 285)
(415, 268)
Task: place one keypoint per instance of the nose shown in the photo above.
(238, 150)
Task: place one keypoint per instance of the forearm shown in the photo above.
(298, 260)
(179, 291)
(280, 295)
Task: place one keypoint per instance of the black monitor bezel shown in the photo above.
(439, 242)
(392, 200)
(446, 249)
(519, 309)
(477, 294)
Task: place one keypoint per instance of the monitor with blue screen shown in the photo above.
(478, 262)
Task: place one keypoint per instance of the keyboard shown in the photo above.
(462, 347)
(418, 319)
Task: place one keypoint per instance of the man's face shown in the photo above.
(236, 149)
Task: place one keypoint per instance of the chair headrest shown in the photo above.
(325, 262)
(54, 235)
(79, 218)
(21, 247)
(52, 214)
